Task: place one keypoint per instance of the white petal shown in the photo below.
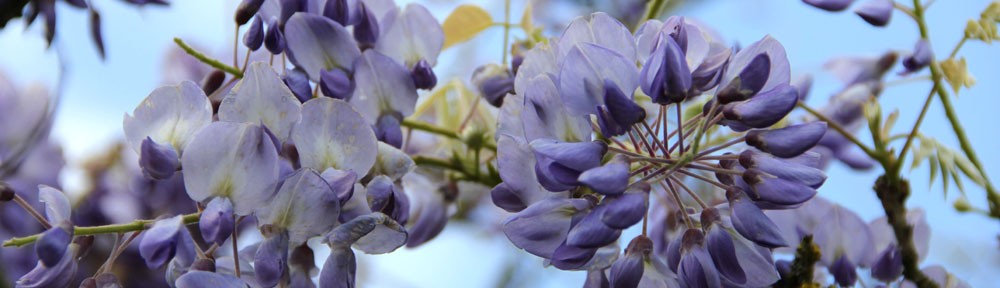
(261, 97)
(170, 114)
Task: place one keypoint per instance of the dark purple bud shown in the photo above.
(388, 130)
(776, 191)
(609, 127)
(507, 199)
(673, 253)
(666, 77)
(789, 141)
(366, 31)
(568, 257)
(844, 272)
(344, 12)
(386, 197)
(271, 260)
(246, 10)
(159, 243)
(875, 12)
(591, 232)
(621, 108)
(783, 168)
(254, 37)
(423, 76)
(6, 192)
(696, 268)
(829, 5)
(765, 109)
(921, 57)
(627, 271)
(515, 63)
(889, 265)
(274, 39)
(335, 83)
(213, 81)
(494, 82)
(342, 183)
(748, 82)
(339, 269)
(624, 211)
(216, 222)
(58, 275)
(298, 82)
(51, 246)
(563, 162)
(720, 245)
(609, 179)
(752, 223)
(95, 31)
(158, 161)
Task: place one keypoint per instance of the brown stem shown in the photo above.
(892, 192)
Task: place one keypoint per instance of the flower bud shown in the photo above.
(749, 81)
(876, 12)
(387, 129)
(217, 222)
(254, 37)
(335, 83)
(493, 82)
(621, 108)
(159, 243)
(366, 31)
(830, 5)
(623, 211)
(271, 259)
(765, 109)
(158, 161)
(627, 271)
(559, 164)
(506, 198)
(789, 141)
(298, 82)
(783, 168)
(776, 191)
(568, 257)
(423, 76)
(921, 57)
(889, 265)
(666, 77)
(696, 268)
(246, 10)
(610, 179)
(274, 39)
(344, 12)
(844, 272)
(51, 246)
(591, 232)
(386, 197)
(752, 223)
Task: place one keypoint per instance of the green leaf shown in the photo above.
(890, 121)
(465, 22)
(957, 74)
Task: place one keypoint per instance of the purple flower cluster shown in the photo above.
(299, 164)
(586, 150)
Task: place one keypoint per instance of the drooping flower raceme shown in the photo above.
(589, 142)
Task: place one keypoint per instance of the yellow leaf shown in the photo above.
(957, 74)
(464, 23)
(526, 23)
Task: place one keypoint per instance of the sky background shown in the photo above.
(96, 95)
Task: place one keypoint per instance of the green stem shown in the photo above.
(850, 137)
(207, 60)
(441, 131)
(913, 132)
(506, 31)
(653, 9)
(992, 196)
(136, 225)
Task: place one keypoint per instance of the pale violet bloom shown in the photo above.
(169, 115)
(334, 135)
(583, 74)
(392, 162)
(384, 87)
(316, 43)
(233, 160)
(304, 206)
(408, 35)
(599, 29)
(261, 97)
